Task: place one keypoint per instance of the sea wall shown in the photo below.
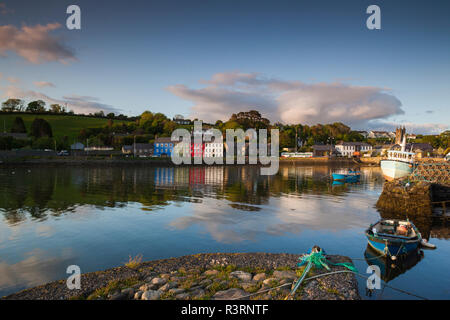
(410, 199)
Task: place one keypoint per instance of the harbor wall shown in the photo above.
(412, 199)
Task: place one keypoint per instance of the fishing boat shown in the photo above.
(398, 164)
(350, 176)
(392, 237)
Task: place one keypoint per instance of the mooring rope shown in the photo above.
(326, 274)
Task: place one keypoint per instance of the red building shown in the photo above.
(197, 149)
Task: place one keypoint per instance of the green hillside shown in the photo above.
(62, 125)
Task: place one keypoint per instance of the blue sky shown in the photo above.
(159, 55)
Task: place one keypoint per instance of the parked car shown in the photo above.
(63, 153)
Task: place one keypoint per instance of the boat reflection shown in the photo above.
(389, 268)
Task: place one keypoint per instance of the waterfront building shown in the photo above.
(349, 149)
(320, 150)
(163, 146)
(213, 149)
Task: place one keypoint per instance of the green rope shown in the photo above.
(318, 259)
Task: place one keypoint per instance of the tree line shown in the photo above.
(14, 105)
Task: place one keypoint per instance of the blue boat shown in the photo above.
(350, 176)
(392, 237)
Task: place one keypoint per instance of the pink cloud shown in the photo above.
(35, 43)
(42, 84)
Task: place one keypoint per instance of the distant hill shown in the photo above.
(62, 125)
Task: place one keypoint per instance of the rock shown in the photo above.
(138, 295)
(182, 296)
(195, 288)
(232, 293)
(165, 276)
(247, 285)
(159, 281)
(168, 286)
(151, 295)
(269, 281)
(259, 277)
(148, 286)
(118, 296)
(197, 293)
(285, 275)
(129, 292)
(212, 272)
(176, 291)
(241, 275)
(205, 282)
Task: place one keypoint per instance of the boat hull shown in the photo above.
(393, 169)
(345, 177)
(394, 247)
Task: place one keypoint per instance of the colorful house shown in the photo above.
(163, 147)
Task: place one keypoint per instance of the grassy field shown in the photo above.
(62, 125)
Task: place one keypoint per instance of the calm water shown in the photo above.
(96, 217)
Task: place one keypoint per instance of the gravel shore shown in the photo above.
(204, 276)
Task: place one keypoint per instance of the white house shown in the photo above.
(213, 149)
(347, 149)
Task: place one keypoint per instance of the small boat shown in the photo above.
(392, 237)
(350, 176)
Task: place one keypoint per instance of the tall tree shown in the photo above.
(56, 108)
(12, 105)
(18, 126)
(36, 106)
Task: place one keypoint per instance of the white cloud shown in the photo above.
(35, 43)
(287, 101)
(291, 101)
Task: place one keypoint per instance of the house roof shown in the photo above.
(415, 146)
(353, 144)
(142, 146)
(163, 140)
(323, 147)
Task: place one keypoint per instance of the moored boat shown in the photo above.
(393, 237)
(398, 164)
(350, 176)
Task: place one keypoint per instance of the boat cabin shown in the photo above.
(401, 156)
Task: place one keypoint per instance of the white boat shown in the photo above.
(398, 164)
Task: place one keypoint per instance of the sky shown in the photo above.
(295, 61)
